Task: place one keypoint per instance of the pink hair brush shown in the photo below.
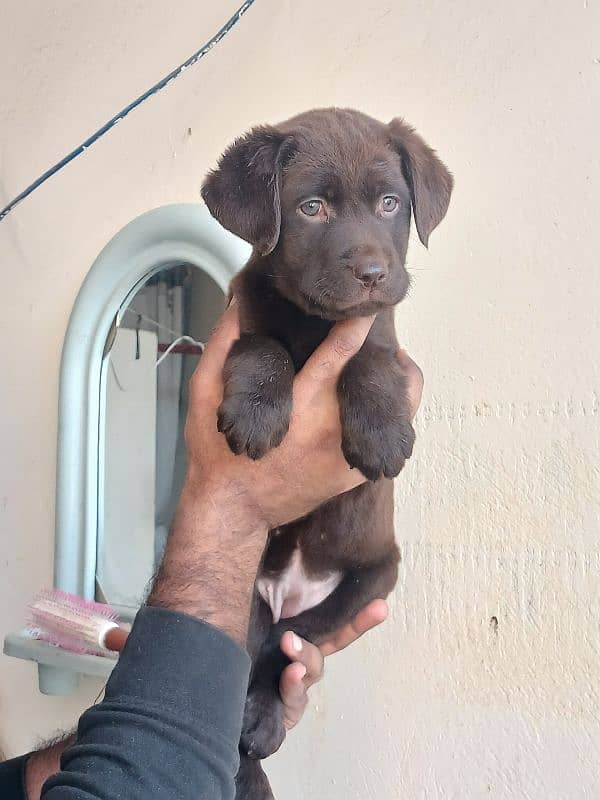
(81, 626)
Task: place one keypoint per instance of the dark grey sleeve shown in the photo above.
(170, 721)
(12, 779)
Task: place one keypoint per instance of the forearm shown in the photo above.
(22, 778)
(170, 720)
(176, 695)
(43, 763)
(211, 559)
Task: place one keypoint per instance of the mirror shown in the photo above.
(120, 456)
(143, 406)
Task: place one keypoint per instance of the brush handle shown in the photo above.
(115, 638)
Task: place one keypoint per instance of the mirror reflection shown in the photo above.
(144, 392)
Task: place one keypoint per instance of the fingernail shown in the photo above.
(296, 643)
(302, 672)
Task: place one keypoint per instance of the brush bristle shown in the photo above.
(69, 621)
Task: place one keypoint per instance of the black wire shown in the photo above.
(124, 112)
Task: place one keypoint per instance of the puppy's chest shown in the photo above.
(293, 587)
(300, 340)
(266, 312)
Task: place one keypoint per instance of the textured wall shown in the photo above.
(485, 681)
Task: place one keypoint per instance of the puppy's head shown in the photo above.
(325, 198)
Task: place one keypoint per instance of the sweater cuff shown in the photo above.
(179, 662)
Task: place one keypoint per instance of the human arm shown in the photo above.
(208, 572)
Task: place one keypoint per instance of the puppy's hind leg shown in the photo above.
(263, 729)
(251, 783)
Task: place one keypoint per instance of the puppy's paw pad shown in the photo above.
(381, 452)
(263, 730)
(252, 424)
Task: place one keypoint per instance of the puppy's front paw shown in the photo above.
(252, 423)
(263, 730)
(377, 450)
(257, 399)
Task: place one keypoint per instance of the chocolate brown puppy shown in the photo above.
(326, 200)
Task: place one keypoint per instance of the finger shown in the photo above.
(414, 381)
(344, 340)
(293, 693)
(305, 653)
(373, 614)
(210, 366)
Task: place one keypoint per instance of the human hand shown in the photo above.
(229, 502)
(308, 661)
(308, 467)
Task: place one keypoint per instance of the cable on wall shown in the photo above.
(223, 31)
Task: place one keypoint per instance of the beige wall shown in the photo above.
(499, 510)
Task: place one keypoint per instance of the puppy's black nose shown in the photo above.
(370, 275)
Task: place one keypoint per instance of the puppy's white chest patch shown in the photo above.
(292, 591)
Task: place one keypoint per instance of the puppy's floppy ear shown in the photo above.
(243, 192)
(429, 181)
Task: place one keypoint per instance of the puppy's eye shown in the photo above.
(389, 203)
(311, 208)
